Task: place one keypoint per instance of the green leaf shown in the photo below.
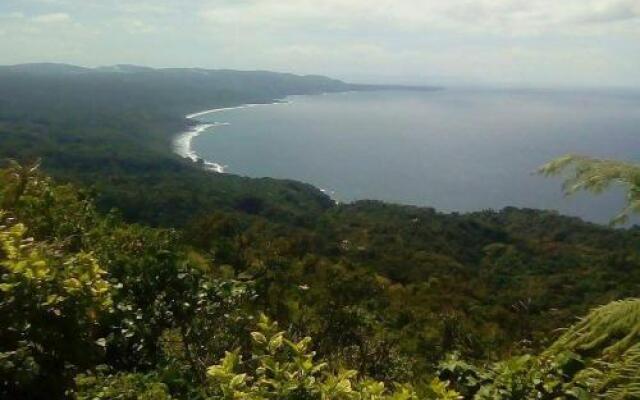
(259, 338)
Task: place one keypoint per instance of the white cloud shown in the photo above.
(510, 16)
(52, 18)
(136, 26)
(12, 16)
(54, 2)
(148, 8)
(622, 10)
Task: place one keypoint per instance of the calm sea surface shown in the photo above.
(455, 150)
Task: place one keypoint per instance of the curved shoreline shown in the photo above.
(182, 142)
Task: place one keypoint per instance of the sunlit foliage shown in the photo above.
(50, 304)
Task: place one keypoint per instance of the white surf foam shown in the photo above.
(215, 110)
(182, 143)
(182, 146)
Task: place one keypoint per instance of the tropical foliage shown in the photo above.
(98, 308)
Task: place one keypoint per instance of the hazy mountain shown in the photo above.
(172, 89)
(43, 69)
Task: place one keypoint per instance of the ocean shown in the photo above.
(456, 150)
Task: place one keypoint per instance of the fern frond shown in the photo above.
(595, 175)
(619, 379)
(610, 331)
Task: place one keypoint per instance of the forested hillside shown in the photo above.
(134, 274)
(112, 128)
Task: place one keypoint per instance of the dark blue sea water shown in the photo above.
(455, 150)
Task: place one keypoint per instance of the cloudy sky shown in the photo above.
(516, 42)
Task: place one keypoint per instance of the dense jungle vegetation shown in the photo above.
(127, 273)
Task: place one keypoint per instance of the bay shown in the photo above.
(455, 150)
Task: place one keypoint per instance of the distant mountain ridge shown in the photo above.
(44, 68)
(62, 68)
(311, 82)
(182, 90)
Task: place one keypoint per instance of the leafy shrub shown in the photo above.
(50, 302)
(279, 368)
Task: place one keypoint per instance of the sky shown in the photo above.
(506, 42)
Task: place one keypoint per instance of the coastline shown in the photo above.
(183, 141)
(182, 146)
